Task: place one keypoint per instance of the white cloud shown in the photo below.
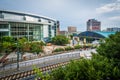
(115, 18)
(109, 7)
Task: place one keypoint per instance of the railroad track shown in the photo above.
(25, 74)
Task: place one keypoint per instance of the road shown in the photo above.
(45, 61)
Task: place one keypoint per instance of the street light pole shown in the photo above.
(17, 55)
(17, 60)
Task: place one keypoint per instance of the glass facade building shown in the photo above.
(31, 26)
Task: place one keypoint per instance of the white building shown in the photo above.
(32, 26)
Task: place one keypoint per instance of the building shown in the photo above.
(72, 29)
(65, 33)
(32, 26)
(93, 25)
(58, 28)
(94, 35)
(114, 29)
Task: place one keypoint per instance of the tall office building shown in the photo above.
(72, 29)
(93, 25)
(33, 27)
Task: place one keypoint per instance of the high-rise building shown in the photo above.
(114, 29)
(93, 25)
(32, 26)
(72, 29)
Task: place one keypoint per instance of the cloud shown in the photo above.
(109, 7)
(115, 18)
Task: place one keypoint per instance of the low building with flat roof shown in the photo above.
(94, 35)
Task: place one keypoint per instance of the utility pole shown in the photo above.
(18, 55)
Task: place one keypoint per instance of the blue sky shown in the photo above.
(70, 12)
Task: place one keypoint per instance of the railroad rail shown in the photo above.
(21, 75)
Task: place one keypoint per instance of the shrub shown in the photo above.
(97, 68)
(77, 47)
(58, 50)
(60, 40)
(69, 48)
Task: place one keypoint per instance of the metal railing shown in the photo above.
(40, 62)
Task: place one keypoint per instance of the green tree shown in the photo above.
(7, 47)
(60, 40)
(40, 75)
(7, 44)
(98, 68)
(8, 39)
(71, 36)
(110, 48)
(37, 47)
(20, 45)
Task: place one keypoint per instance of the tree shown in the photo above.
(37, 47)
(60, 40)
(7, 47)
(7, 44)
(71, 36)
(8, 39)
(40, 75)
(20, 45)
(98, 68)
(110, 48)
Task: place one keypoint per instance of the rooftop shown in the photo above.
(103, 33)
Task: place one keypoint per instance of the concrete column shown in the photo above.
(9, 30)
(28, 31)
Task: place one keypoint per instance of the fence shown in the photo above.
(42, 62)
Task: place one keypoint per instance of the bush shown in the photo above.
(77, 47)
(97, 68)
(60, 40)
(58, 50)
(36, 47)
(69, 48)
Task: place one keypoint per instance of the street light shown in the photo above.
(18, 52)
(17, 60)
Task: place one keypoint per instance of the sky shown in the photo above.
(70, 12)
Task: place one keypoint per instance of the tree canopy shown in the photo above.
(111, 48)
(7, 44)
(60, 40)
(98, 68)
